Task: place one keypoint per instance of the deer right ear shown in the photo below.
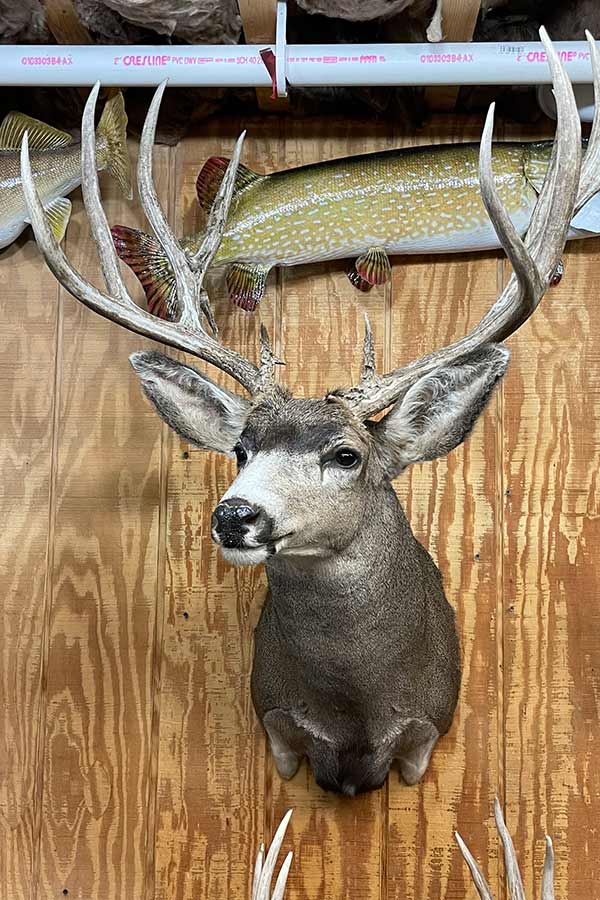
(437, 413)
(199, 410)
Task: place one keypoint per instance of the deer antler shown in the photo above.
(513, 876)
(263, 873)
(187, 333)
(569, 184)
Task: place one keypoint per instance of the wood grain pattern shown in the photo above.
(28, 312)
(131, 760)
(552, 619)
(103, 593)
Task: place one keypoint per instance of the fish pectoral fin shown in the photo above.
(58, 214)
(212, 174)
(147, 259)
(246, 283)
(374, 266)
(41, 136)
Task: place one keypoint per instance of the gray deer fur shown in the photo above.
(357, 658)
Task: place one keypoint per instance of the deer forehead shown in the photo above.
(302, 427)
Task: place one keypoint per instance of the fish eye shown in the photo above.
(346, 458)
(240, 455)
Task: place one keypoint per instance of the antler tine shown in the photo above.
(116, 304)
(483, 888)
(282, 878)
(93, 203)
(548, 874)
(217, 218)
(513, 876)
(184, 280)
(368, 366)
(263, 874)
(534, 260)
(591, 160)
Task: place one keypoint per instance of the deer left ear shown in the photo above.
(199, 410)
(437, 413)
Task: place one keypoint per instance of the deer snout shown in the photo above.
(235, 520)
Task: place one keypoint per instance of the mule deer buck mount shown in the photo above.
(356, 654)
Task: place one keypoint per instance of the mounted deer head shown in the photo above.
(356, 659)
(513, 876)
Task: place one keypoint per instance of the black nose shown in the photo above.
(233, 513)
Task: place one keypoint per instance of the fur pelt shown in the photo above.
(194, 21)
(23, 22)
(520, 20)
(355, 10)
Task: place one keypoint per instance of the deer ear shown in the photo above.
(203, 413)
(437, 413)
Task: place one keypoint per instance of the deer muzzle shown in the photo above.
(240, 525)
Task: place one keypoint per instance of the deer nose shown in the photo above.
(232, 513)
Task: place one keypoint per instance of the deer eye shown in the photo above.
(346, 458)
(240, 455)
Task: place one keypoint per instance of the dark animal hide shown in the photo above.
(194, 21)
(23, 22)
(520, 20)
(355, 10)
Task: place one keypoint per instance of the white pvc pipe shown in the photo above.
(305, 64)
(584, 97)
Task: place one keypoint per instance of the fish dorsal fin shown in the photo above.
(41, 136)
(211, 175)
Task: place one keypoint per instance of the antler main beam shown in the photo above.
(116, 303)
(568, 185)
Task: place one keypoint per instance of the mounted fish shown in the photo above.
(56, 165)
(414, 200)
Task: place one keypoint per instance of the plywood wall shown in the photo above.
(131, 763)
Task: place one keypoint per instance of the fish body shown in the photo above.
(414, 200)
(56, 166)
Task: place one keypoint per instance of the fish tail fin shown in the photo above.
(147, 259)
(113, 127)
(211, 175)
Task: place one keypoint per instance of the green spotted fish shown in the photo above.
(56, 165)
(415, 200)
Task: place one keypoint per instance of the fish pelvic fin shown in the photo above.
(41, 136)
(246, 283)
(373, 266)
(58, 213)
(146, 258)
(358, 281)
(211, 175)
(113, 128)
